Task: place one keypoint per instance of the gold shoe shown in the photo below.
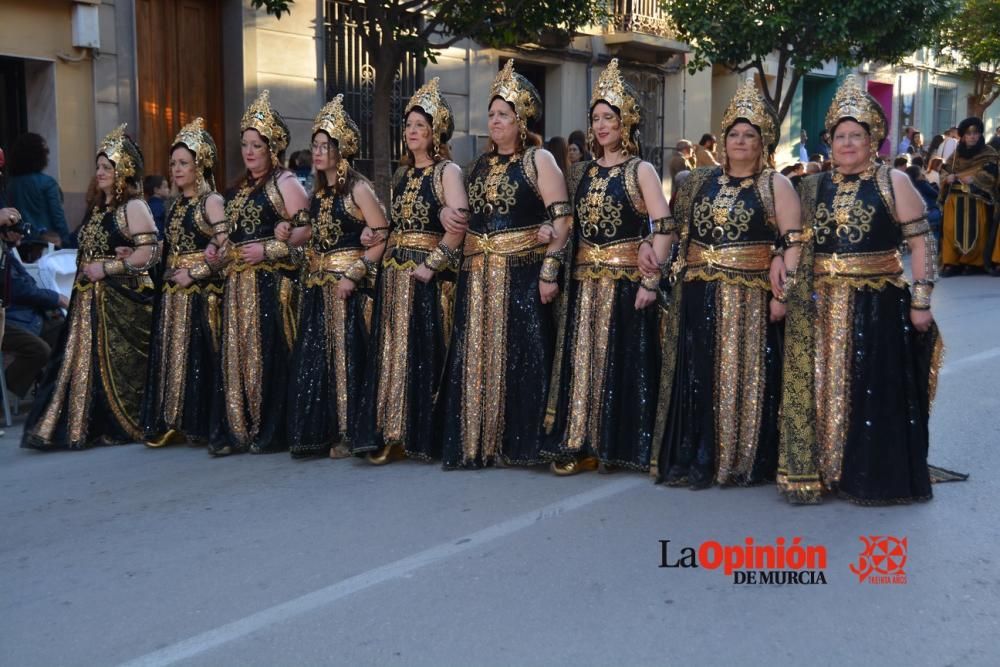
(574, 467)
(171, 437)
(340, 452)
(387, 454)
(221, 451)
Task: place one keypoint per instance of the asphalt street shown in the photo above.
(130, 556)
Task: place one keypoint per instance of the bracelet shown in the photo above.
(777, 251)
(361, 269)
(200, 271)
(665, 225)
(301, 218)
(782, 298)
(647, 239)
(921, 295)
(794, 237)
(559, 209)
(114, 267)
(275, 249)
(550, 269)
(651, 283)
(437, 259)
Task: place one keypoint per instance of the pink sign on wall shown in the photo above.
(882, 92)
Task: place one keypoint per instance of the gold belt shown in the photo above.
(185, 260)
(749, 257)
(859, 264)
(621, 255)
(336, 261)
(413, 240)
(514, 242)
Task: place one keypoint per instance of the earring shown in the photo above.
(437, 150)
(341, 172)
(590, 140)
(524, 138)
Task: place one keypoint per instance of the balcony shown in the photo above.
(642, 30)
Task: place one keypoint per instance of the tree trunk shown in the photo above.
(974, 107)
(387, 63)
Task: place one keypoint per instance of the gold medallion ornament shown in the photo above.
(853, 103)
(750, 105)
(334, 120)
(517, 91)
(268, 123)
(125, 155)
(429, 100)
(196, 139)
(612, 89)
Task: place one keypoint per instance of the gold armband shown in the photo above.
(921, 295)
(114, 267)
(361, 269)
(200, 271)
(550, 269)
(275, 249)
(301, 218)
(665, 225)
(651, 283)
(915, 227)
(559, 209)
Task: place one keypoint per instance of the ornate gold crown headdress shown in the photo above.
(749, 104)
(196, 139)
(333, 120)
(429, 99)
(612, 88)
(853, 102)
(514, 89)
(268, 122)
(119, 148)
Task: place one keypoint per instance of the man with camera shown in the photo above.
(32, 328)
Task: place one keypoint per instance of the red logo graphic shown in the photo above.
(882, 560)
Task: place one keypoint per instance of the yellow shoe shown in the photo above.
(574, 467)
(171, 437)
(387, 454)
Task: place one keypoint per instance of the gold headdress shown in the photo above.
(612, 88)
(268, 122)
(854, 103)
(196, 139)
(749, 104)
(429, 99)
(119, 148)
(333, 120)
(514, 89)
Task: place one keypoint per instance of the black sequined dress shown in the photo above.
(184, 350)
(722, 377)
(411, 325)
(327, 367)
(492, 401)
(258, 315)
(607, 403)
(93, 387)
(870, 375)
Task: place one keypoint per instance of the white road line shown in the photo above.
(206, 641)
(959, 364)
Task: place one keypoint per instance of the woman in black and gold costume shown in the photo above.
(328, 361)
(607, 408)
(259, 298)
(416, 290)
(862, 349)
(492, 402)
(187, 317)
(93, 395)
(970, 194)
(720, 389)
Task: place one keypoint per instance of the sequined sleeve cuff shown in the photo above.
(550, 269)
(361, 269)
(301, 218)
(921, 294)
(665, 225)
(441, 257)
(201, 271)
(114, 267)
(559, 209)
(275, 249)
(915, 227)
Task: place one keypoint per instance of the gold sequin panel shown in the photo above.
(834, 350)
(740, 344)
(241, 356)
(589, 359)
(393, 348)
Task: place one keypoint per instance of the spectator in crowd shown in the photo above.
(904, 144)
(916, 144)
(558, 147)
(34, 194)
(929, 193)
(824, 145)
(935, 146)
(901, 162)
(705, 152)
(813, 167)
(32, 329)
(579, 139)
(949, 144)
(301, 165)
(803, 146)
(156, 189)
(683, 159)
(933, 172)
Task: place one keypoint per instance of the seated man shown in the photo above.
(32, 330)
